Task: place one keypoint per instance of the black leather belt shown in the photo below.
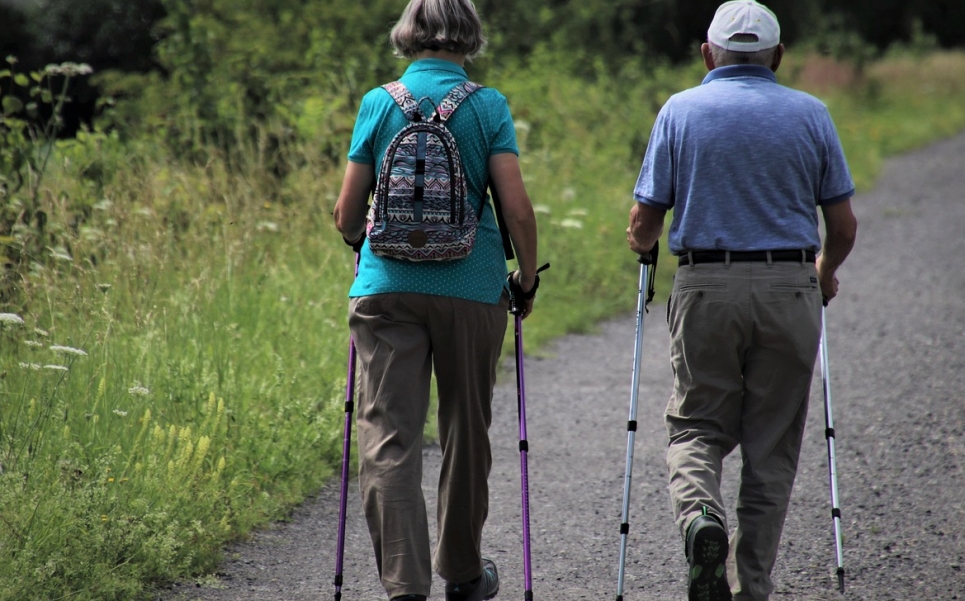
(720, 256)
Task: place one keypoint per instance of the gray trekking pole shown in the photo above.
(517, 299)
(648, 265)
(346, 452)
(829, 435)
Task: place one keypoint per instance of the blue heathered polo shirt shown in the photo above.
(743, 162)
(482, 126)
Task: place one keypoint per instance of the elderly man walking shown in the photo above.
(743, 163)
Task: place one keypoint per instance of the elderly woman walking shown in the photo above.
(410, 318)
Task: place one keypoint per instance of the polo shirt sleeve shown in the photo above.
(655, 184)
(363, 135)
(504, 132)
(836, 182)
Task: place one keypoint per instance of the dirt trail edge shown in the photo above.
(897, 356)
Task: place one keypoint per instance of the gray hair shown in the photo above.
(451, 25)
(723, 57)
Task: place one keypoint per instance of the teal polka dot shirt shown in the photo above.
(482, 126)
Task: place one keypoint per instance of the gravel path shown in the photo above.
(897, 356)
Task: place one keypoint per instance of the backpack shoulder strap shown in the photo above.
(501, 222)
(445, 110)
(451, 102)
(404, 98)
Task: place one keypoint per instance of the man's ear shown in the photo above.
(778, 55)
(708, 56)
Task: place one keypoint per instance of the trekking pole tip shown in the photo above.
(841, 579)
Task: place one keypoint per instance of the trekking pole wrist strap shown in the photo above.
(357, 245)
(516, 291)
(532, 291)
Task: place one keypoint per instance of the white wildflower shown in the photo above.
(120, 412)
(68, 350)
(267, 226)
(138, 391)
(33, 366)
(33, 343)
(544, 209)
(69, 69)
(43, 333)
(522, 126)
(569, 193)
(572, 223)
(103, 287)
(577, 212)
(56, 367)
(11, 318)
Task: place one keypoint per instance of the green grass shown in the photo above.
(206, 310)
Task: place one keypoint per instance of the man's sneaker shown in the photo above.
(707, 554)
(480, 589)
(410, 598)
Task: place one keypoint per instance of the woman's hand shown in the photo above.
(523, 286)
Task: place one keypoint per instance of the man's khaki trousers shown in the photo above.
(744, 338)
(400, 339)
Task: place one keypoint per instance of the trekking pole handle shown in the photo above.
(650, 258)
(516, 292)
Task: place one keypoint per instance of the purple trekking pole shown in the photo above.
(346, 457)
(516, 302)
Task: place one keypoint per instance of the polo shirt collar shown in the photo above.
(732, 71)
(435, 64)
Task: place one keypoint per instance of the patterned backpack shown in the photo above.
(420, 210)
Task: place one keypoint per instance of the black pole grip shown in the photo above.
(650, 258)
(516, 294)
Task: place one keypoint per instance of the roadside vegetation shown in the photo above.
(172, 307)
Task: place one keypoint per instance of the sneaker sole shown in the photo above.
(708, 573)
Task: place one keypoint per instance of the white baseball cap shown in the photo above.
(746, 17)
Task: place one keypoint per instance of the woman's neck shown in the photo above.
(446, 55)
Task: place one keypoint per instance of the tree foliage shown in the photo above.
(254, 73)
